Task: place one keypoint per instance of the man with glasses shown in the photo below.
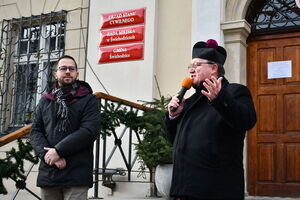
(208, 130)
(62, 134)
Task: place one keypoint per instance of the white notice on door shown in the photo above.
(280, 69)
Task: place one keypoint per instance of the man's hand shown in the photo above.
(61, 163)
(213, 87)
(51, 156)
(174, 103)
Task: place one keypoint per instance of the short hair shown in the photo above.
(221, 70)
(66, 56)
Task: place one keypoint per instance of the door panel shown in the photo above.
(274, 142)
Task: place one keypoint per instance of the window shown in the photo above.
(29, 39)
(273, 16)
(29, 50)
(24, 98)
(55, 39)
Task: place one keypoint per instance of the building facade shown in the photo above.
(258, 36)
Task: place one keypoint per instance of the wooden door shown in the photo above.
(274, 143)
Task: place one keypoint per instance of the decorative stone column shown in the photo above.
(235, 36)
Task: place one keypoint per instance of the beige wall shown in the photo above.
(236, 31)
(133, 79)
(76, 30)
(173, 44)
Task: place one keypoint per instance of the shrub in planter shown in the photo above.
(154, 149)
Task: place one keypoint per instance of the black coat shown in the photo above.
(208, 143)
(76, 146)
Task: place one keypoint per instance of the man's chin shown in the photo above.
(195, 85)
(198, 85)
(65, 84)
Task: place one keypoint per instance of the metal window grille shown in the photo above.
(273, 16)
(29, 49)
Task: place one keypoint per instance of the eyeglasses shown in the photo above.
(198, 64)
(65, 68)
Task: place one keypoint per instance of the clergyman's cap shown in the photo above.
(210, 50)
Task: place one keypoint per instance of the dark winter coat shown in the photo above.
(76, 145)
(208, 143)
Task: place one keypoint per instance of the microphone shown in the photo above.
(186, 84)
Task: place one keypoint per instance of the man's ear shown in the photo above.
(54, 74)
(215, 69)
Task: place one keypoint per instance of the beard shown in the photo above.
(200, 86)
(63, 83)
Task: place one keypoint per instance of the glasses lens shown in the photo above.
(198, 64)
(65, 68)
(71, 68)
(62, 68)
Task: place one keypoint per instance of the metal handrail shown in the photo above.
(128, 159)
(26, 129)
(15, 135)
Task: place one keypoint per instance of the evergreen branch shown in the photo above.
(13, 165)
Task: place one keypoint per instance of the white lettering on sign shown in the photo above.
(116, 56)
(121, 15)
(122, 38)
(121, 32)
(121, 21)
(119, 50)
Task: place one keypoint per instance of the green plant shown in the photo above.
(13, 165)
(154, 149)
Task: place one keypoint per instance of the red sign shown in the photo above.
(121, 53)
(123, 18)
(122, 35)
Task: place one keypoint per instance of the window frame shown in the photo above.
(273, 16)
(15, 35)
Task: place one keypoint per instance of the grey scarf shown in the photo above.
(62, 113)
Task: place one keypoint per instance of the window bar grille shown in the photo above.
(18, 56)
(2, 57)
(273, 16)
(130, 149)
(6, 72)
(25, 52)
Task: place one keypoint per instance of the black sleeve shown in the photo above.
(171, 127)
(37, 136)
(235, 104)
(86, 134)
